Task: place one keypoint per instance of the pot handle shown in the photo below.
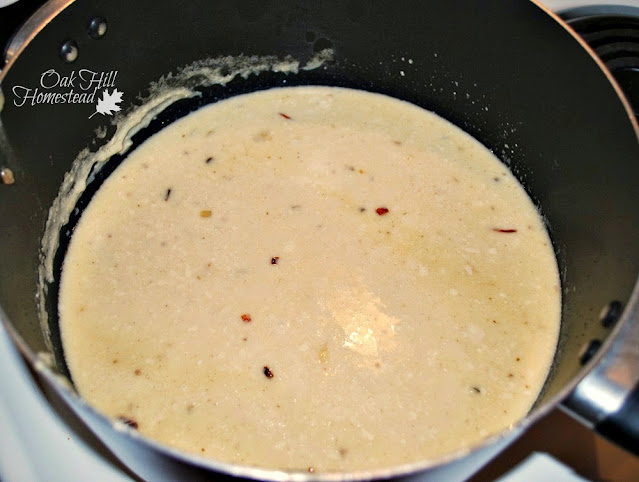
(607, 398)
(622, 427)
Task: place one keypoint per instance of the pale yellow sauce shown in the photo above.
(389, 337)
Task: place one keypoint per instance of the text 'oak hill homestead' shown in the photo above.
(78, 87)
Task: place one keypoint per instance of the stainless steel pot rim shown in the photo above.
(39, 20)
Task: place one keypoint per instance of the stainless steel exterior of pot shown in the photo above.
(607, 398)
(599, 394)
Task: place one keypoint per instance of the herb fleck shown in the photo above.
(168, 194)
(323, 354)
(128, 421)
(206, 213)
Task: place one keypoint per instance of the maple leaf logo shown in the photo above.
(108, 104)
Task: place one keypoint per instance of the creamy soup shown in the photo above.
(311, 278)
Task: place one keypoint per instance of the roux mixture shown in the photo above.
(311, 278)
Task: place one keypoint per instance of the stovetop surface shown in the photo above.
(614, 37)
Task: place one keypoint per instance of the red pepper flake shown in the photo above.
(246, 318)
(267, 372)
(381, 211)
(128, 421)
(287, 117)
(500, 230)
(275, 259)
(311, 469)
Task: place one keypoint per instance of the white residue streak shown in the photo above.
(167, 90)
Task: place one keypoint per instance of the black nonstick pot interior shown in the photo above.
(505, 72)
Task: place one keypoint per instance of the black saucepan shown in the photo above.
(509, 73)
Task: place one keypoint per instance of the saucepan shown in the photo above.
(509, 73)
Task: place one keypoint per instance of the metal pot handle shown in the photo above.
(607, 398)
